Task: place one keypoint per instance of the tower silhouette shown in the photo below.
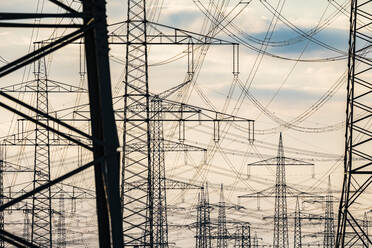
(280, 215)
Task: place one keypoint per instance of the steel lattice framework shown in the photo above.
(143, 180)
(1, 194)
(41, 86)
(90, 24)
(137, 201)
(280, 217)
(329, 232)
(221, 228)
(41, 227)
(358, 155)
(203, 226)
(280, 239)
(297, 239)
(159, 182)
(243, 236)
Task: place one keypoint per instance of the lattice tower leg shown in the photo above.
(160, 222)
(280, 215)
(137, 200)
(41, 228)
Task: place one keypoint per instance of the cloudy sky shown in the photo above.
(292, 69)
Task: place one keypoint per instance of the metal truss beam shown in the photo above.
(357, 173)
(104, 132)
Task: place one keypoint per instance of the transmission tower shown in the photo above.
(297, 226)
(158, 174)
(280, 193)
(6, 167)
(203, 226)
(61, 224)
(365, 227)
(243, 236)
(1, 194)
(138, 200)
(41, 222)
(27, 224)
(221, 228)
(90, 24)
(41, 227)
(358, 159)
(255, 241)
(329, 233)
(160, 184)
(280, 216)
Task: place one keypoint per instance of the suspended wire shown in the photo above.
(300, 31)
(244, 42)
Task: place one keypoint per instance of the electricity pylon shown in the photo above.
(297, 240)
(280, 239)
(138, 200)
(89, 23)
(203, 225)
(41, 212)
(243, 236)
(329, 233)
(358, 154)
(280, 216)
(221, 228)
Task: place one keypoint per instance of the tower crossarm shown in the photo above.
(26, 138)
(169, 146)
(287, 161)
(14, 168)
(171, 184)
(171, 111)
(357, 173)
(52, 86)
(166, 35)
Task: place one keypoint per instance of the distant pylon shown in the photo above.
(160, 223)
(41, 225)
(1, 194)
(26, 224)
(61, 224)
(297, 232)
(329, 233)
(365, 228)
(246, 236)
(280, 215)
(255, 241)
(243, 236)
(203, 225)
(222, 230)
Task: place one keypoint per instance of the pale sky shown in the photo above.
(279, 88)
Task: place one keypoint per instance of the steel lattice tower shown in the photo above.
(103, 136)
(329, 233)
(1, 194)
(26, 224)
(237, 235)
(41, 225)
(245, 240)
(139, 189)
(365, 227)
(280, 215)
(255, 241)
(222, 230)
(297, 225)
(158, 173)
(61, 225)
(358, 154)
(137, 200)
(203, 225)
